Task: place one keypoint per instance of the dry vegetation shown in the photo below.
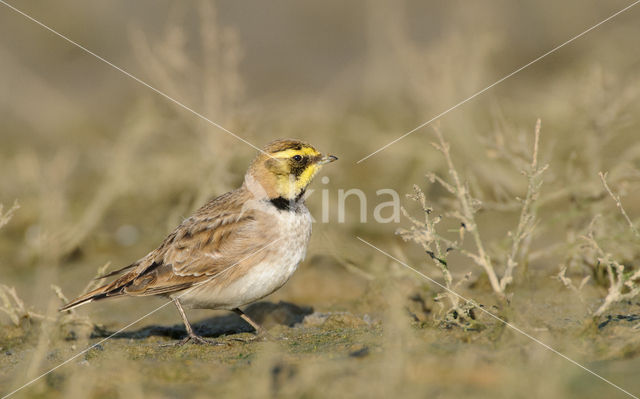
(463, 210)
(535, 223)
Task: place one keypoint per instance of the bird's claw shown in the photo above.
(197, 340)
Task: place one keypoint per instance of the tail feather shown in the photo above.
(98, 293)
(113, 289)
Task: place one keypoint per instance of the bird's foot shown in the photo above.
(197, 340)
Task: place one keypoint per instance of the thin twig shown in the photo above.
(616, 198)
(467, 215)
(527, 219)
(6, 216)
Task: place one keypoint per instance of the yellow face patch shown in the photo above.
(295, 175)
(307, 175)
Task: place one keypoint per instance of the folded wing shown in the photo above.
(204, 247)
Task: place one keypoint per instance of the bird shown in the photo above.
(237, 248)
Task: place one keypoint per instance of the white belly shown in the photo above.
(261, 279)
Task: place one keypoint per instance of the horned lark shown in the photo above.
(237, 248)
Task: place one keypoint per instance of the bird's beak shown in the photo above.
(327, 159)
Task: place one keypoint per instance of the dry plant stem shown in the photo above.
(621, 287)
(467, 216)
(616, 198)
(71, 317)
(14, 307)
(568, 283)
(617, 280)
(97, 280)
(6, 216)
(425, 234)
(527, 221)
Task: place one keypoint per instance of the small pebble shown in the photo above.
(359, 353)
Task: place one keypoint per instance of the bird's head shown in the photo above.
(285, 168)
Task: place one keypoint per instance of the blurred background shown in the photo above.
(103, 167)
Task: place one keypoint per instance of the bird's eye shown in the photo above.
(297, 158)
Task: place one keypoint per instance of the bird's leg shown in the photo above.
(191, 336)
(261, 333)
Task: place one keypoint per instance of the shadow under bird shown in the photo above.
(237, 248)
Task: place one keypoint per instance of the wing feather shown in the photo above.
(221, 237)
(200, 249)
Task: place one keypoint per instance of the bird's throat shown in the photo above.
(285, 204)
